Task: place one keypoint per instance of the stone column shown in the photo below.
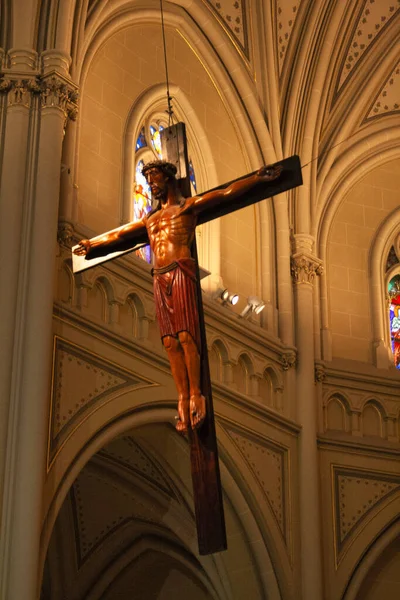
(285, 296)
(18, 133)
(32, 356)
(305, 267)
(68, 187)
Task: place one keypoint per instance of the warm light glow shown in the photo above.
(233, 299)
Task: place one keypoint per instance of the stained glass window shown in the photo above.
(192, 175)
(156, 139)
(394, 317)
(141, 204)
(391, 259)
(141, 141)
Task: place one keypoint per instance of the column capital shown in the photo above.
(319, 373)
(288, 359)
(23, 75)
(305, 267)
(65, 234)
(58, 91)
(19, 89)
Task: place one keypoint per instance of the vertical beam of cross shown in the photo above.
(207, 490)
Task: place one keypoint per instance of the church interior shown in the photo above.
(301, 296)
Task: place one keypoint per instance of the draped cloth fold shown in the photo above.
(175, 299)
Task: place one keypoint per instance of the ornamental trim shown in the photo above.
(304, 268)
(54, 91)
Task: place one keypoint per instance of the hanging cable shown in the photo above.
(169, 99)
(327, 150)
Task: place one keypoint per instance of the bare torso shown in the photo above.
(171, 231)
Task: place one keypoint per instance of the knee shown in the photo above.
(170, 343)
(184, 338)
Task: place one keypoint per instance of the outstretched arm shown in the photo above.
(237, 188)
(127, 235)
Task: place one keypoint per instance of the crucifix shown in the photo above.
(170, 229)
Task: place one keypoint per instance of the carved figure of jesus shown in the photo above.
(171, 228)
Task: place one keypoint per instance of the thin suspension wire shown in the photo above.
(328, 149)
(169, 99)
(169, 111)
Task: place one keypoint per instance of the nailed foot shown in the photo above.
(197, 410)
(183, 412)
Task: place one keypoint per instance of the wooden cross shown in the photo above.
(206, 481)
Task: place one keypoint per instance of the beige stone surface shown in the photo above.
(96, 494)
(357, 220)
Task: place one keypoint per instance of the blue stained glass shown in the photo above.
(192, 175)
(141, 141)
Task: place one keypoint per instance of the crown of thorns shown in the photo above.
(162, 165)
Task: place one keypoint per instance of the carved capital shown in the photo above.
(65, 234)
(58, 92)
(18, 90)
(304, 268)
(319, 373)
(288, 360)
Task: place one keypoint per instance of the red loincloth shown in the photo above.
(175, 298)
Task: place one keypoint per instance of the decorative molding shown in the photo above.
(81, 381)
(19, 90)
(304, 268)
(58, 92)
(286, 13)
(288, 360)
(356, 495)
(54, 90)
(387, 101)
(267, 463)
(232, 14)
(65, 234)
(319, 373)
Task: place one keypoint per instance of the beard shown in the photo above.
(159, 194)
(158, 197)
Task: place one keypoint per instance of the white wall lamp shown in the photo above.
(226, 297)
(254, 305)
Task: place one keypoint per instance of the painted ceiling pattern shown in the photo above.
(388, 99)
(93, 381)
(267, 465)
(357, 494)
(286, 15)
(233, 14)
(374, 17)
(80, 381)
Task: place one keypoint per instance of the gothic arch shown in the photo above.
(341, 401)
(146, 104)
(356, 168)
(127, 414)
(383, 240)
(379, 544)
(145, 544)
(222, 356)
